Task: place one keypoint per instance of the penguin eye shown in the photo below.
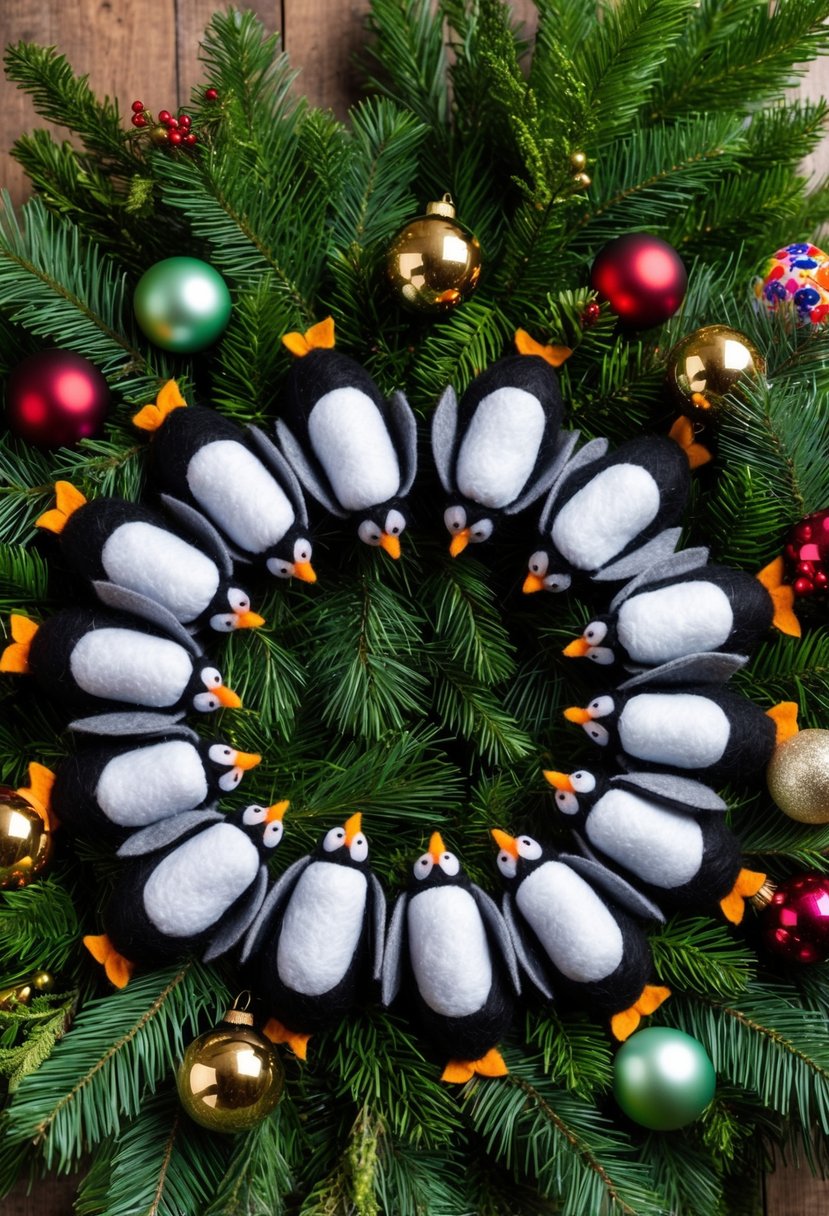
(369, 533)
(539, 563)
(253, 815)
(595, 632)
(302, 551)
(229, 780)
(220, 753)
(279, 567)
(205, 702)
(450, 864)
(528, 848)
(566, 802)
(582, 781)
(557, 582)
(600, 707)
(507, 864)
(395, 523)
(238, 600)
(598, 734)
(602, 655)
(359, 848)
(223, 624)
(454, 518)
(422, 868)
(210, 677)
(272, 833)
(333, 840)
(482, 530)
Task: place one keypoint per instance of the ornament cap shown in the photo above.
(444, 206)
(238, 1017)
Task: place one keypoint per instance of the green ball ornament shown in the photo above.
(182, 305)
(663, 1078)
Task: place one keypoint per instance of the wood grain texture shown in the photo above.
(792, 1191)
(322, 38)
(192, 18)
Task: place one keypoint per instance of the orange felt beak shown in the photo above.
(559, 781)
(352, 827)
(227, 697)
(506, 842)
(533, 582)
(577, 715)
(436, 847)
(305, 571)
(577, 649)
(248, 620)
(276, 811)
(246, 761)
(391, 544)
(459, 541)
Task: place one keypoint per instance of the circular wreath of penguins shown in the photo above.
(506, 887)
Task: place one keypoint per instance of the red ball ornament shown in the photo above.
(795, 923)
(806, 554)
(56, 398)
(641, 277)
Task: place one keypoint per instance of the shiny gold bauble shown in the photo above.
(434, 263)
(798, 776)
(707, 364)
(22, 993)
(230, 1077)
(25, 841)
(582, 181)
(578, 162)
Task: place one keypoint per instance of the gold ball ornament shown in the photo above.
(798, 776)
(578, 162)
(433, 263)
(707, 364)
(25, 841)
(231, 1077)
(582, 181)
(22, 994)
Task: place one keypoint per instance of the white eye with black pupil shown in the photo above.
(528, 848)
(369, 533)
(450, 864)
(238, 601)
(595, 632)
(454, 518)
(584, 782)
(600, 707)
(210, 677)
(272, 834)
(539, 563)
(422, 868)
(507, 864)
(279, 568)
(302, 551)
(603, 656)
(395, 523)
(229, 781)
(598, 734)
(566, 802)
(223, 624)
(358, 849)
(335, 839)
(220, 753)
(253, 815)
(205, 702)
(481, 531)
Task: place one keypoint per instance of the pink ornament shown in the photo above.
(795, 923)
(56, 398)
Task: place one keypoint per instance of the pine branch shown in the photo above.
(38, 923)
(696, 955)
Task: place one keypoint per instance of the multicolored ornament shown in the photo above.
(806, 554)
(663, 1078)
(798, 277)
(798, 776)
(642, 277)
(182, 304)
(230, 1077)
(795, 923)
(433, 263)
(24, 992)
(56, 398)
(709, 363)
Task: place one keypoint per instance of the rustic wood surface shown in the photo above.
(149, 51)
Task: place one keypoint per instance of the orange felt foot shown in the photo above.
(623, 1024)
(527, 345)
(782, 596)
(318, 337)
(39, 792)
(151, 417)
(279, 1033)
(457, 1072)
(15, 657)
(67, 502)
(118, 969)
(682, 432)
(784, 717)
(733, 905)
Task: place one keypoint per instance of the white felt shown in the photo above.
(605, 515)
(687, 618)
(573, 925)
(151, 783)
(351, 442)
(660, 845)
(449, 951)
(321, 927)
(125, 665)
(239, 494)
(161, 566)
(195, 885)
(679, 729)
(500, 447)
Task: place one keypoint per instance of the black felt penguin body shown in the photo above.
(319, 931)
(498, 449)
(353, 451)
(680, 607)
(667, 833)
(190, 884)
(571, 921)
(611, 514)
(236, 477)
(119, 544)
(449, 953)
(90, 662)
(116, 787)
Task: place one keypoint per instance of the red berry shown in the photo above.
(172, 124)
(191, 140)
(138, 120)
(802, 586)
(164, 116)
(211, 94)
(137, 107)
(174, 138)
(184, 120)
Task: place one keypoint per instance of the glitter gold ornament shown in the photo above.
(231, 1077)
(798, 776)
(25, 840)
(433, 263)
(707, 364)
(22, 993)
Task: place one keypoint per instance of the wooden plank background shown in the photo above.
(149, 51)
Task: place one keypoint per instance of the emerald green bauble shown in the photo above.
(182, 305)
(663, 1078)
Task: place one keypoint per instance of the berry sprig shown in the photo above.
(169, 130)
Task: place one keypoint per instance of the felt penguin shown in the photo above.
(569, 919)
(353, 451)
(667, 833)
(89, 661)
(189, 884)
(319, 930)
(449, 952)
(679, 608)
(499, 449)
(119, 544)
(657, 720)
(237, 478)
(114, 788)
(609, 515)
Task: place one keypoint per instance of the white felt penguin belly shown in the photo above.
(321, 928)
(449, 952)
(237, 491)
(574, 926)
(660, 845)
(500, 447)
(151, 783)
(160, 565)
(682, 729)
(602, 518)
(189, 890)
(687, 618)
(352, 443)
(125, 665)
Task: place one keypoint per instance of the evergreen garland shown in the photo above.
(424, 693)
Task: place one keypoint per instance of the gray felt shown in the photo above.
(132, 602)
(378, 923)
(680, 792)
(565, 442)
(277, 895)
(612, 885)
(706, 668)
(202, 531)
(233, 928)
(134, 723)
(499, 933)
(594, 450)
(299, 463)
(647, 555)
(158, 835)
(444, 433)
(524, 956)
(273, 459)
(404, 431)
(675, 565)
(393, 953)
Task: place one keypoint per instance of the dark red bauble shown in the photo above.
(56, 398)
(807, 554)
(795, 924)
(641, 277)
